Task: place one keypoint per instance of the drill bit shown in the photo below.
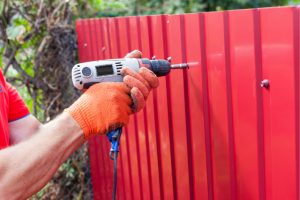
(180, 66)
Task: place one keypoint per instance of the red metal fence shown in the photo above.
(210, 132)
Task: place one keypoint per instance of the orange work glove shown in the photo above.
(140, 83)
(102, 108)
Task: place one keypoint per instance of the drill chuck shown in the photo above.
(159, 67)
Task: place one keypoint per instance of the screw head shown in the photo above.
(265, 83)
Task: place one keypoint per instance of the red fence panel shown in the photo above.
(212, 131)
(245, 128)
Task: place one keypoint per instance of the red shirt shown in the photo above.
(12, 108)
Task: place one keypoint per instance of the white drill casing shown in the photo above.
(87, 73)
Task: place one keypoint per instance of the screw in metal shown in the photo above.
(265, 83)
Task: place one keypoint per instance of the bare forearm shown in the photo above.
(26, 167)
(23, 129)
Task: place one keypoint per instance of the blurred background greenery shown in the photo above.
(38, 49)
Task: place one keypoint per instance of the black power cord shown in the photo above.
(114, 138)
(115, 177)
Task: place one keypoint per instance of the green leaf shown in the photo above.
(96, 4)
(1, 6)
(294, 2)
(20, 21)
(14, 31)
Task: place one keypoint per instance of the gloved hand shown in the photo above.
(102, 108)
(107, 106)
(140, 83)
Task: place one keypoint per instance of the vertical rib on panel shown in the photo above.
(206, 108)
(125, 166)
(178, 110)
(217, 86)
(244, 101)
(106, 38)
(231, 142)
(187, 94)
(132, 132)
(259, 108)
(145, 38)
(143, 45)
(113, 37)
(159, 47)
(153, 148)
(197, 129)
(279, 102)
(99, 39)
(297, 93)
(150, 126)
(81, 40)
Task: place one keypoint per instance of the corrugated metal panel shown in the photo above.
(210, 132)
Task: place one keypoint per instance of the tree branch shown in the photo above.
(18, 68)
(10, 60)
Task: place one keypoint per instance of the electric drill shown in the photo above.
(86, 74)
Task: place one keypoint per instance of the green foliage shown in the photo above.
(1, 52)
(143, 7)
(111, 8)
(98, 8)
(14, 31)
(17, 27)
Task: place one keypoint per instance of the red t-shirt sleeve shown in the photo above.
(17, 108)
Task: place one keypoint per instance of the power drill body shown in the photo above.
(86, 74)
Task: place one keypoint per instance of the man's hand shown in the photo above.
(141, 83)
(102, 108)
(107, 106)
